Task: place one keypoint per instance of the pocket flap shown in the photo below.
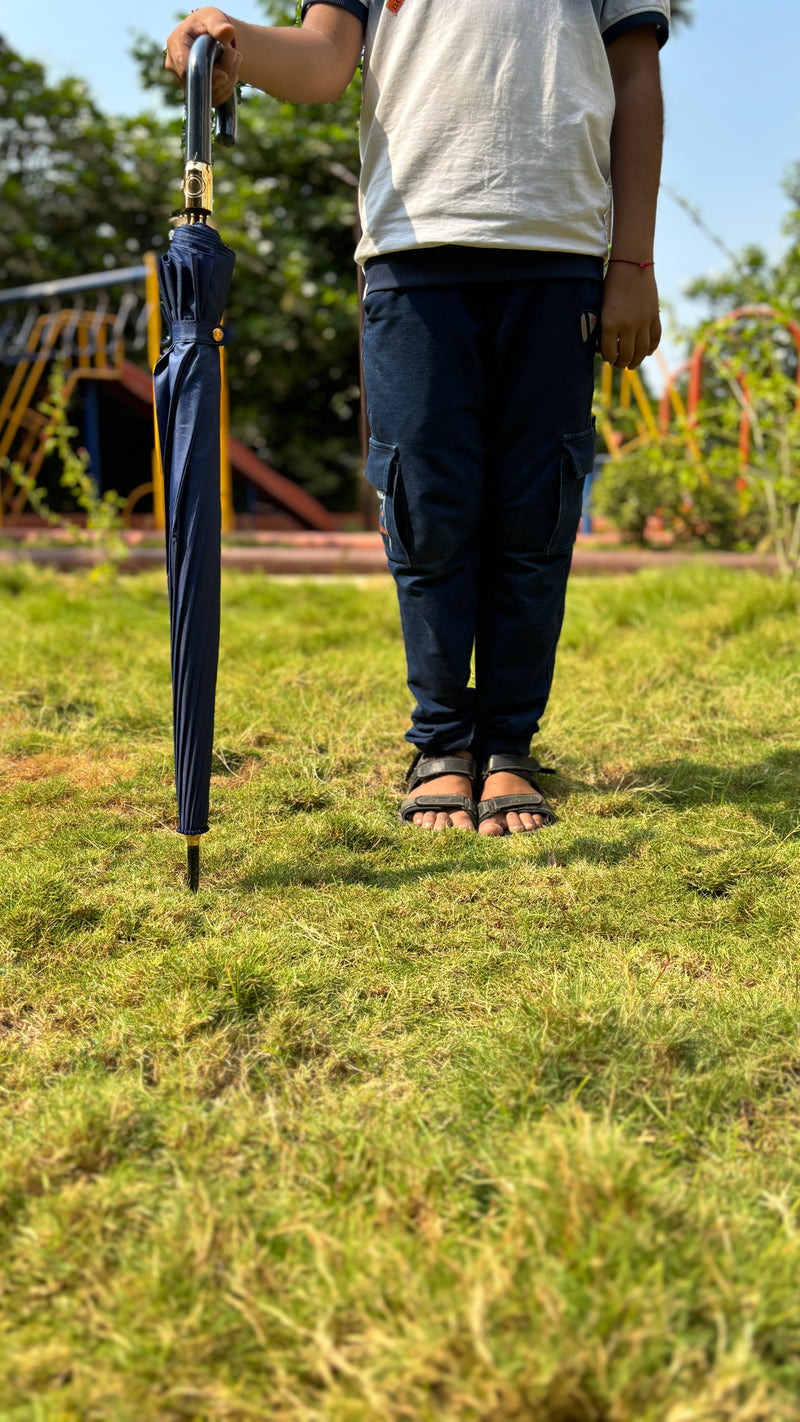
(380, 459)
(581, 450)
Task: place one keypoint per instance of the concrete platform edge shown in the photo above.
(351, 558)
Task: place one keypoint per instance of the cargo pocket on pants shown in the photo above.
(577, 461)
(383, 473)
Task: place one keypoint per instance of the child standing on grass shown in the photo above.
(492, 133)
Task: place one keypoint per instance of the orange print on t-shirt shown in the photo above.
(394, 5)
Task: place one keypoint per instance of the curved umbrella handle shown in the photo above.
(226, 116)
(197, 182)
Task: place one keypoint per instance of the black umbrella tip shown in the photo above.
(193, 861)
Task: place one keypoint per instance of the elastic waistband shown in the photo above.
(453, 265)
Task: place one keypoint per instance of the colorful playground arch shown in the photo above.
(653, 427)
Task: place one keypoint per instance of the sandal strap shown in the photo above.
(525, 765)
(413, 804)
(429, 767)
(530, 804)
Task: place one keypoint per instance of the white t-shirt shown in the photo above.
(487, 123)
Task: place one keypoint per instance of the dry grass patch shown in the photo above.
(83, 771)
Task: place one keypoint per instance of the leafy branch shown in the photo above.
(103, 510)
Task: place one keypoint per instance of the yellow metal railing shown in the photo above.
(153, 353)
(91, 347)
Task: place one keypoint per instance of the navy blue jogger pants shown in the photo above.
(479, 400)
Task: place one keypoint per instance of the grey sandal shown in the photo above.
(428, 767)
(532, 804)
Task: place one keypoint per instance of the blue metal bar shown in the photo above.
(91, 429)
(91, 282)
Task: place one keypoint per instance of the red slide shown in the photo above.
(287, 496)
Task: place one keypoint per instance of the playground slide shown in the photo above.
(280, 491)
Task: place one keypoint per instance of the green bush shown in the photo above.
(704, 506)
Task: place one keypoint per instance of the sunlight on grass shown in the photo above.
(384, 1124)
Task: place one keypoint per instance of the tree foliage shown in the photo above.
(82, 191)
(79, 191)
(681, 12)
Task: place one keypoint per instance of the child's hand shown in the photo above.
(630, 326)
(216, 23)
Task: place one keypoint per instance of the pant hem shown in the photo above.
(447, 745)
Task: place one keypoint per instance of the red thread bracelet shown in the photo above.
(628, 262)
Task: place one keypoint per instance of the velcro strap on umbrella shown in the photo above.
(198, 332)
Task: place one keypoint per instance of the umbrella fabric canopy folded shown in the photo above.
(194, 277)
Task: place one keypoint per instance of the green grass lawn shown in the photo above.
(382, 1124)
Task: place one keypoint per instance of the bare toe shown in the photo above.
(512, 821)
(448, 786)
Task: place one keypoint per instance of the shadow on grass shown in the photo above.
(594, 850)
(768, 789)
(284, 876)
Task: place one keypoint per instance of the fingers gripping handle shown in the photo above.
(197, 181)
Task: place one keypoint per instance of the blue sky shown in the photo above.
(730, 87)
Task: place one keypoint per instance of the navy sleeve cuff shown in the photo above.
(634, 22)
(353, 7)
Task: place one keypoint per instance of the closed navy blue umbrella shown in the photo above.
(194, 278)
